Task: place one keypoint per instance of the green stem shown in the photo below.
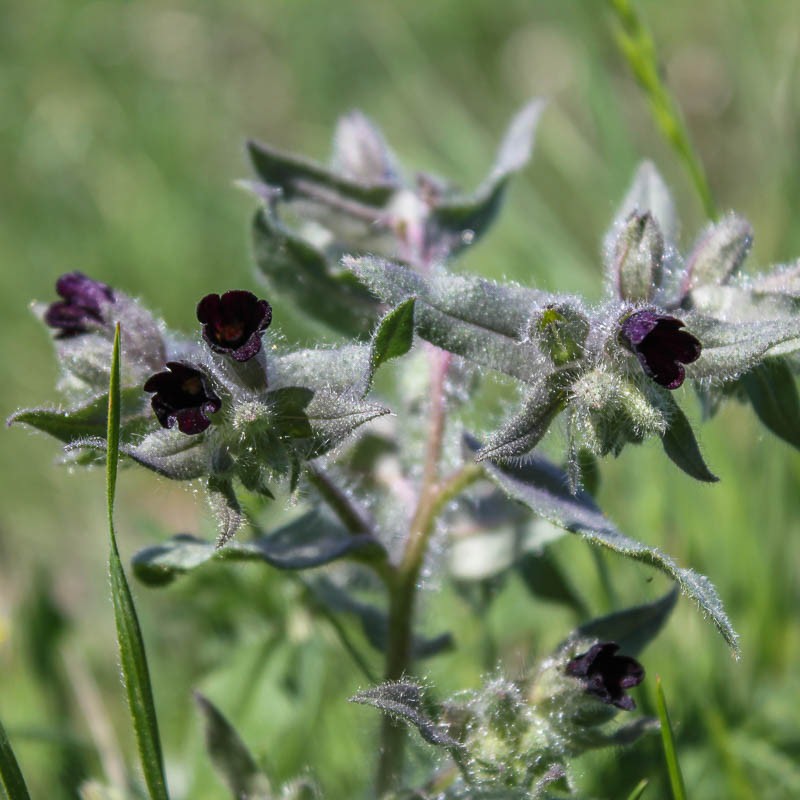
(636, 44)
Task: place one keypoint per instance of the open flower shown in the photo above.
(606, 675)
(660, 345)
(183, 397)
(81, 306)
(234, 323)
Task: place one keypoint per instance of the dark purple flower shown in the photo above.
(234, 322)
(81, 306)
(607, 676)
(182, 396)
(661, 346)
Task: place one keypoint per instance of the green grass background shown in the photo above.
(121, 131)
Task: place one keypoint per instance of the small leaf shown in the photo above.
(133, 658)
(638, 257)
(166, 452)
(403, 700)
(296, 176)
(10, 773)
(360, 152)
(477, 319)
(719, 253)
(232, 760)
(525, 430)
(225, 508)
(312, 540)
(772, 391)
(650, 194)
(89, 419)
(393, 337)
(632, 628)
(731, 348)
(464, 219)
(670, 751)
(289, 411)
(542, 486)
(681, 446)
(334, 417)
(294, 268)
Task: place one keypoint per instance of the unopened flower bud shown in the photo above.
(638, 257)
(561, 331)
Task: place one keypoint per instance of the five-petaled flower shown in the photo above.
(234, 322)
(182, 396)
(661, 346)
(81, 306)
(606, 675)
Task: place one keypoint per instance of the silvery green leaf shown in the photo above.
(338, 369)
(360, 151)
(680, 444)
(637, 258)
(477, 319)
(312, 540)
(89, 419)
(772, 391)
(296, 269)
(632, 628)
(783, 280)
(718, 253)
(333, 417)
(392, 338)
(403, 700)
(166, 452)
(740, 303)
(374, 621)
(232, 760)
(298, 177)
(225, 508)
(730, 348)
(649, 193)
(465, 218)
(542, 486)
(524, 430)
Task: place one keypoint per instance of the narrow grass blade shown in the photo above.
(636, 44)
(129, 635)
(10, 774)
(670, 753)
(638, 791)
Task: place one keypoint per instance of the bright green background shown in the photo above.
(121, 131)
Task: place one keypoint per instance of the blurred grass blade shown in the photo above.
(636, 44)
(638, 791)
(670, 753)
(131, 645)
(10, 773)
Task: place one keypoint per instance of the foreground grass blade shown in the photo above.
(10, 775)
(637, 46)
(671, 755)
(638, 791)
(131, 645)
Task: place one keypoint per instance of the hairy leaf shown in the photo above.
(232, 760)
(772, 391)
(464, 219)
(312, 540)
(403, 700)
(719, 252)
(393, 337)
(632, 628)
(89, 419)
(542, 486)
(680, 444)
(294, 268)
